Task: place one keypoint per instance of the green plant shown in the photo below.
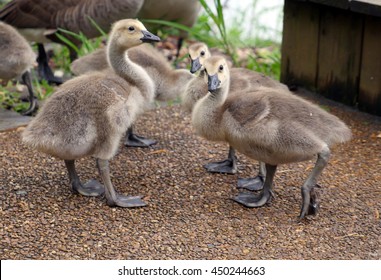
(87, 45)
(73, 40)
(267, 62)
(42, 89)
(211, 29)
(10, 100)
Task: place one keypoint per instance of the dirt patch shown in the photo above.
(190, 215)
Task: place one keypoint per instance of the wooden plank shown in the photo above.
(342, 4)
(339, 55)
(369, 7)
(299, 45)
(370, 80)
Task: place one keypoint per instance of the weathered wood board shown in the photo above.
(370, 81)
(300, 44)
(339, 55)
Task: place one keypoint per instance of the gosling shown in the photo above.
(88, 115)
(243, 79)
(267, 125)
(169, 82)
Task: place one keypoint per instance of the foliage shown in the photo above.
(211, 29)
(10, 97)
(11, 100)
(267, 63)
(61, 58)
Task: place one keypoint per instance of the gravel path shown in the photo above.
(190, 215)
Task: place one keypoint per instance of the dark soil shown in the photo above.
(190, 214)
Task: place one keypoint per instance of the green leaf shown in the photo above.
(67, 42)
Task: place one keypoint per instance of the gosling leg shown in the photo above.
(91, 188)
(32, 100)
(227, 166)
(256, 183)
(112, 197)
(44, 70)
(309, 204)
(251, 200)
(133, 140)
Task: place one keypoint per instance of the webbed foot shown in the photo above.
(313, 206)
(251, 200)
(133, 140)
(251, 184)
(126, 201)
(225, 166)
(32, 108)
(91, 188)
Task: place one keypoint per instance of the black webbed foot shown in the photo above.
(251, 184)
(133, 140)
(32, 108)
(91, 188)
(225, 166)
(126, 201)
(313, 205)
(251, 200)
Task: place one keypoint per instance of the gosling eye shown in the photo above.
(221, 68)
(202, 53)
(131, 28)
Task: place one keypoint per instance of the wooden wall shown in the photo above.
(333, 50)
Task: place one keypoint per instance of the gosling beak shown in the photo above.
(195, 65)
(149, 37)
(213, 82)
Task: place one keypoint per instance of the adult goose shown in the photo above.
(39, 20)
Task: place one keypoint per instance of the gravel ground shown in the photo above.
(190, 215)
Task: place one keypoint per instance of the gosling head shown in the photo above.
(198, 52)
(128, 33)
(217, 73)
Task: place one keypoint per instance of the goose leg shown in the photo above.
(252, 200)
(227, 166)
(112, 197)
(91, 188)
(309, 204)
(179, 45)
(256, 183)
(133, 140)
(44, 70)
(32, 100)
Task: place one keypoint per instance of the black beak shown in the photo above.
(213, 82)
(149, 37)
(195, 65)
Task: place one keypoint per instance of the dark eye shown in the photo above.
(202, 53)
(131, 28)
(221, 68)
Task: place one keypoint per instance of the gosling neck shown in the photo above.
(128, 70)
(201, 75)
(219, 95)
